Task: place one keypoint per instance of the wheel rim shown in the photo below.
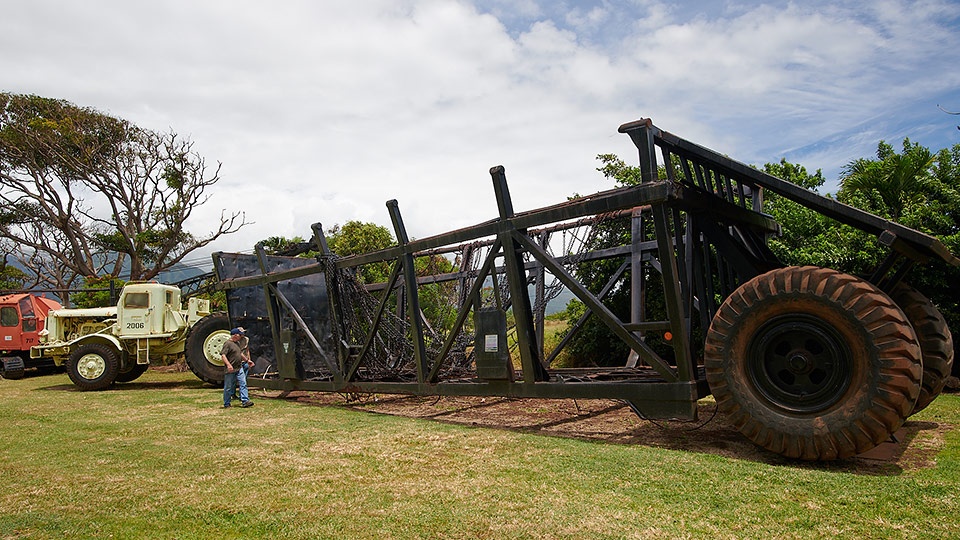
(799, 363)
(213, 345)
(90, 366)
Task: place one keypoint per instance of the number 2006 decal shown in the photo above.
(134, 325)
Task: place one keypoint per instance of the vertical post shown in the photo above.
(689, 271)
(757, 198)
(333, 290)
(410, 288)
(320, 240)
(643, 136)
(533, 370)
(273, 314)
(638, 283)
(217, 264)
(464, 282)
(541, 303)
(672, 292)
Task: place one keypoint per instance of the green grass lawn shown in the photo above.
(158, 458)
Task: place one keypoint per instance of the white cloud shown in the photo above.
(322, 111)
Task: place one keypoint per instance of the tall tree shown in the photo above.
(86, 194)
(356, 237)
(931, 203)
(892, 181)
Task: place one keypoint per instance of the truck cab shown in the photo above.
(149, 310)
(22, 319)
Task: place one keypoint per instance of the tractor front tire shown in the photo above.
(811, 363)
(204, 343)
(93, 366)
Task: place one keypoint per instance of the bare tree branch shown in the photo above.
(88, 195)
(948, 112)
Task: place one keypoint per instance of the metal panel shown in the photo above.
(307, 295)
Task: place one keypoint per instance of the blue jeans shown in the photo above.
(242, 382)
(230, 386)
(234, 380)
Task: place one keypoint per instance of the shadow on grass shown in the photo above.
(613, 422)
(135, 385)
(32, 373)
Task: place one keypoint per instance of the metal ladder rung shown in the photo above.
(143, 345)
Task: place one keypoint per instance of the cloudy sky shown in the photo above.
(321, 111)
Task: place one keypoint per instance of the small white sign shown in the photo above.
(8, 338)
(491, 343)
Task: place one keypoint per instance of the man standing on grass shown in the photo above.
(236, 363)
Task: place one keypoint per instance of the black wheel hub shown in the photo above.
(799, 363)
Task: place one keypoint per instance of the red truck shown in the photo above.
(22, 318)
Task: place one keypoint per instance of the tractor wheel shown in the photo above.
(204, 343)
(93, 366)
(812, 363)
(936, 342)
(12, 368)
(131, 371)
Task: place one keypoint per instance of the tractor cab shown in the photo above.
(149, 310)
(22, 318)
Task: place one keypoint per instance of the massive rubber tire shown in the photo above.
(936, 341)
(204, 342)
(131, 372)
(93, 366)
(812, 363)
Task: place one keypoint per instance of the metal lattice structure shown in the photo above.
(699, 235)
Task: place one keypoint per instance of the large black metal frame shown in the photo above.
(709, 236)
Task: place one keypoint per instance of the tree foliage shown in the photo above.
(355, 238)
(279, 244)
(100, 292)
(893, 182)
(86, 194)
(11, 277)
(919, 189)
(807, 237)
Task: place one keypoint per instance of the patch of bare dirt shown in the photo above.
(613, 422)
(180, 366)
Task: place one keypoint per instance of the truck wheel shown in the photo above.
(204, 343)
(936, 341)
(812, 363)
(93, 366)
(131, 372)
(12, 367)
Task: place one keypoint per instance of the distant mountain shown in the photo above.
(180, 272)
